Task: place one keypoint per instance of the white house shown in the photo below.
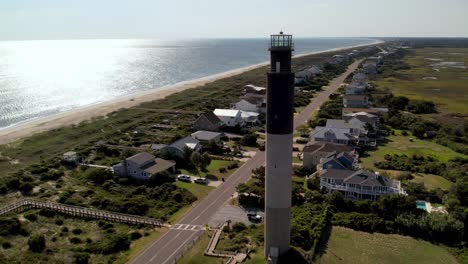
(357, 101)
(142, 166)
(230, 117)
(251, 103)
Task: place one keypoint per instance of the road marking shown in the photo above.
(186, 227)
(175, 251)
(168, 243)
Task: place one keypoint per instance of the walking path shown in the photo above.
(78, 211)
(169, 247)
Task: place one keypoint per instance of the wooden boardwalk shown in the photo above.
(79, 211)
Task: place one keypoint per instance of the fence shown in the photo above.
(79, 212)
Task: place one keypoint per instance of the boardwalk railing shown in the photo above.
(79, 211)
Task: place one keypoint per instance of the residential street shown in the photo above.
(170, 245)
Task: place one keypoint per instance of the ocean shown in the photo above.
(44, 77)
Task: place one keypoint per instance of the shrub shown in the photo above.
(238, 227)
(75, 240)
(59, 222)
(77, 231)
(302, 141)
(37, 243)
(81, 258)
(64, 229)
(46, 212)
(135, 235)
(6, 245)
(30, 216)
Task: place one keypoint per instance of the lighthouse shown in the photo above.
(279, 129)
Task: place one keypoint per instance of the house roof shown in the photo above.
(367, 110)
(205, 135)
(211, 117)
(256, 88)
(188, 142)
(338, 123)
(157, 147)
(141, 158)
(326, 147)
(254, 98)
(343, 159)
(339, 133)
(158, 165)
(355, 97)
(227, 112)
(358, 177)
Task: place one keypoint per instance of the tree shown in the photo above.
(160, 178)
(398, 103)
(36, 243)
(187, 155)
(196, 159)
(205, 161)
(304, 130)
(249, 140)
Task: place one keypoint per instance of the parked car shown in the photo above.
(184, 178)
(254, 217)
(201, 181)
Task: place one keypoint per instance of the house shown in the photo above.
(178, 147)
(355, 101)
(303, 77)
(158, 147)
(358, 185)
(313, 153)
(207, 136)
(370, 67)
(333, 135)
(360, 77)
(251, 103)
(142, 166)
(356, 129)
(339, 161)
(229, 117)
(70, 157)
(252, 89)
(208, 121)
(362, 117)
(250, 118)
(371, 110)
(355, 88)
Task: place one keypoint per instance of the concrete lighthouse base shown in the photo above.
(278, 194)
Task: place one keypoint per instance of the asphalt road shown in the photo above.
(180, 236)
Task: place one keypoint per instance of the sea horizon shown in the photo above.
(117, 68)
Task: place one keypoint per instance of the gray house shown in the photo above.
(207, 136)
(359, 185)
(342, 136)
(208, 121)
(362, 117)
(313, 153)
(142, 166)
(179, 147)
(356, 101)
(339, 161)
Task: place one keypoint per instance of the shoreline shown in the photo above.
(33, 126)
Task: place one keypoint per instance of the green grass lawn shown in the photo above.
(349, 246)
(448, 91)
(398, 144)
(199, 190)
(432, 181)
(213, 169)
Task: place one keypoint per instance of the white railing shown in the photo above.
(346, 188)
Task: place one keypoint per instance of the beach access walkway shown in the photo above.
(171, 246)
(79, 211)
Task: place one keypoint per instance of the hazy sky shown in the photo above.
(61, 19)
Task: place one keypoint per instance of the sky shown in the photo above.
(169, 19)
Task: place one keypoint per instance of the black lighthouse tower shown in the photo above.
(279, 128)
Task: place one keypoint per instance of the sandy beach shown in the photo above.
(28, 128)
